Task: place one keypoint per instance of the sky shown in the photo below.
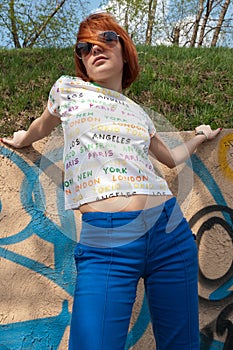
(93, 5)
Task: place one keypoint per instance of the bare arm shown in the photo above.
(179, 154)
(39, 128)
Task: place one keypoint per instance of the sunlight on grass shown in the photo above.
(188, 86)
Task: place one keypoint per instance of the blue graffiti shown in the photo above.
(32, 334)
(215, 345)
(139, 327)
(44, 333)
(47, 333)
(43, 228)
(207, 179)
(63, 274)
(225, 290)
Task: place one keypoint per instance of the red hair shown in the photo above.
(105, 21)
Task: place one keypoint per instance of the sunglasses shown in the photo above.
(110, 38)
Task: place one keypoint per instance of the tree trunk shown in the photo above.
(225, 7)
(14, 30)
(126, 19)
(150, 23)
(209, 7)
(176, 36)
(196, 23)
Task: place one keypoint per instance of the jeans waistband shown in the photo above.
(104, 229)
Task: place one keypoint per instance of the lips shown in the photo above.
(99, 58)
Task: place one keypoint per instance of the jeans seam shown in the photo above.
(106, 296)
(187, 291)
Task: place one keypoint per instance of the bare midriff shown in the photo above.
(121, 203)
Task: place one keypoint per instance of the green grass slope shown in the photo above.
(187, 86)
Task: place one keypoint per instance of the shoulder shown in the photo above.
(68, 80)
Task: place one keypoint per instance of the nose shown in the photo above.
(96, 49)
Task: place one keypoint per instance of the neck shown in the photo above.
(111, 85)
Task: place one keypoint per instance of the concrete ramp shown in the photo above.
(37, 237)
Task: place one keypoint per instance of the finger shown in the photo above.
(7, 141)
(215, 133)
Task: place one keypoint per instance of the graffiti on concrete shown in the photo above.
(226, 155)
(47, 333)
(43, 333)
(217, 218)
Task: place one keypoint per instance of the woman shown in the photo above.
(132, 226)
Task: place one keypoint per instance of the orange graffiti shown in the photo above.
(225, 155)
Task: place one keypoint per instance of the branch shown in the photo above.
(34, 36)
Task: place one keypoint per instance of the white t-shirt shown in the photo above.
(107, 138)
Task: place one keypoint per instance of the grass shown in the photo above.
(188, 86)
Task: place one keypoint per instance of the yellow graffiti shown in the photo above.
(225, 155)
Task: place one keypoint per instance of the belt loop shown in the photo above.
(144, 219)
(166, 210)
(109, 219)
(109, 227)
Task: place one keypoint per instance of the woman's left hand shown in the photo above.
(207, 131)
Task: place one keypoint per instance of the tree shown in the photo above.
(45, 23)
(197, 23)
(137, 17)
(209, 20)
(178, 19)
(209, 8)
(151, 19)
(221, 19)
(192, 23)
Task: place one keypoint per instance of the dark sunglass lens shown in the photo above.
(83, 49)
(108, 36)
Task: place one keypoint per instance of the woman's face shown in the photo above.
(104, 65)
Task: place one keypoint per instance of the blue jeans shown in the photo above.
(114, 252)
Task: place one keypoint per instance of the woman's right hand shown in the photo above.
(16, 141)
